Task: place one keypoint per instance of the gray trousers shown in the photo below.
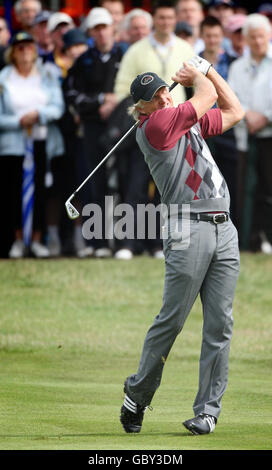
(209, 267)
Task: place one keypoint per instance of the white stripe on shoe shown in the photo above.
(211, 422)
(130, 404)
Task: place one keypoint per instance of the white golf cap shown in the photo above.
(98, 15)
(58, 18)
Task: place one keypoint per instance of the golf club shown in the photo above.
(70, 209)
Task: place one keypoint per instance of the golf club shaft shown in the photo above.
(106, 157)
(111, 151)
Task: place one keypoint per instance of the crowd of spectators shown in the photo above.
(64, 84)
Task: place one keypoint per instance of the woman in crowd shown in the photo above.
(30, 101)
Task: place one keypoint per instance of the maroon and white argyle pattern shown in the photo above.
(204, 178)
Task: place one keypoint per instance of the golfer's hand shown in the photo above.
(200, 64)
(186, 75)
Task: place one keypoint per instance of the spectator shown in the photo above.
(192, 13)
(250, 78)
(184, 31)
(57, 25)
(223, 147)
(4, 40)
(4, 33)
(75, 44)
(212, 35)
(221, 9)
(136, 25)
(162, 50)
(41, 35)
(90, 93)
(25, 12)
(31, 98)
(233, 28)
(117, 10)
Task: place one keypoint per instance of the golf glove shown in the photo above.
(200, 64)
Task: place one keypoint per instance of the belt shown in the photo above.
(215, 218)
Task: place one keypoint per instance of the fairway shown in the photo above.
(72, 330)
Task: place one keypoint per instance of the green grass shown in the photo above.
(72, 330)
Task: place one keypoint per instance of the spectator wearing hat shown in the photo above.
(192, 13)
(221, 9)
(250, 78)
(41, 35)
(57, 63)
(184, 31)
(31, 98)
(90, 94)
(25, 12)
(233, 28)
(75, 44)
(58, 24)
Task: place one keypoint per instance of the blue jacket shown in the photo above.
(12, 136)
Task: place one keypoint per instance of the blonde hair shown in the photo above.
(135, 109)
(8, 54)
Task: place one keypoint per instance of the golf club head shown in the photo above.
(71, 210)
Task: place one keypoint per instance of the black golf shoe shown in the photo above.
(201, 424)
(131, 415)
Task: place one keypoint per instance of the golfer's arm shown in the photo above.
(205, 95)
(232, 111)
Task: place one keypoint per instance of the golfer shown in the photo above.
(172, 141)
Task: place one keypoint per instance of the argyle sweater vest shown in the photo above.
(187, 173)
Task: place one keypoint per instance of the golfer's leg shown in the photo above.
(185, 271)
(217, 295)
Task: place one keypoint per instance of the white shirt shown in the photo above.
(252, 83)
(27, 94)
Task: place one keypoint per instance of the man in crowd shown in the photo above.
(192, 13)
(223, 147)
(42, 36)
(117, 10)
(25, 12)
(90, 93)
(250, 78)
(221, 9)
(136, 25)
(58, 24)
(233, 28)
